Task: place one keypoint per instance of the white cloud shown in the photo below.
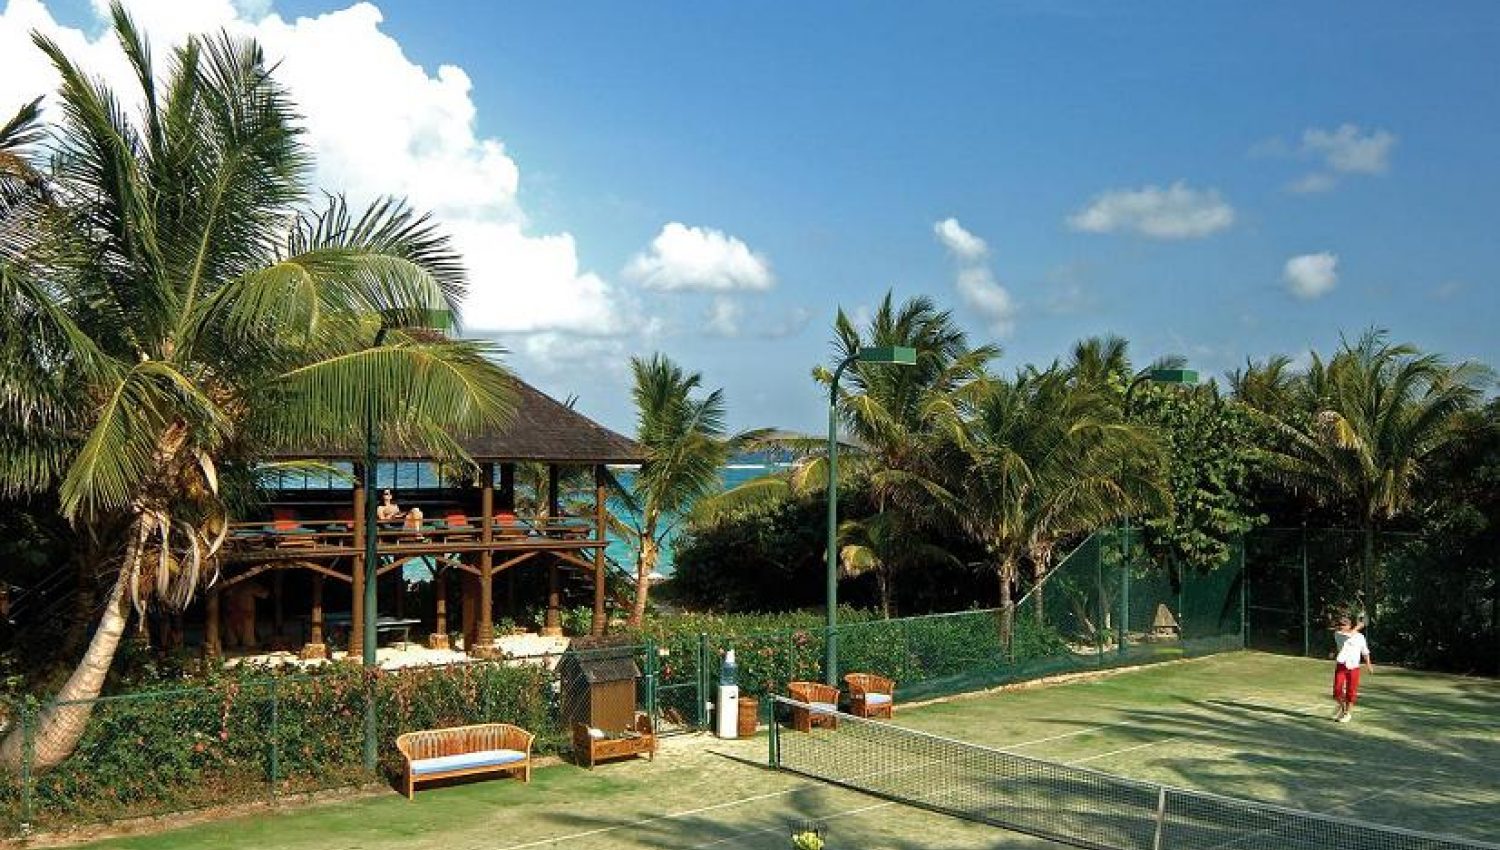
(976, 283)
(723, 318)
(1176, 212)
(1350, 150)
(964, 245)
(1310, 276)
(379, 124)
(981, 292)
(1312, 183)
(699, 258)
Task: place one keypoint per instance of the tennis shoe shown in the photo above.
(1338, 712)
(1346, 717)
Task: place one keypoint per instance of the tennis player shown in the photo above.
(1352, 649)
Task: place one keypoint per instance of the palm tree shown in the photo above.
(683, 435)
(1361, 429)
(880, 544)
(895, 416)
(1043, 458)
(183, 314)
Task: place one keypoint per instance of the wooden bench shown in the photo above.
(465, 751)
(589, 749)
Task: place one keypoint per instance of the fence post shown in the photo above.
(1306, 609)
(1161, 816)
(703, 683)
(28, 758)
(1101, 611)
(774, 757)
(372, 724)
(1244, 598)
(1125, 588)
(275, 738)
(653, 661)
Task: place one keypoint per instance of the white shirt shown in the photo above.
(1352, 648)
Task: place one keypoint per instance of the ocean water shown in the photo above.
(732, 475)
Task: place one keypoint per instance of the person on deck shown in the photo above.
(388, 510)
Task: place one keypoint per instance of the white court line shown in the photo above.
(1330, 810)
(542, 842)
(1084, 731)
(1124, 750)
(782, 826)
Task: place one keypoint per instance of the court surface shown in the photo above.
(1423, 752)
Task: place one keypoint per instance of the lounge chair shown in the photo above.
(870, 695)
(822, 705)
(288, 532)
(459, 529)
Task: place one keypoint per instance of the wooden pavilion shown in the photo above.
(310, 541)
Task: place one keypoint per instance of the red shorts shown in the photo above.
(1345, 683)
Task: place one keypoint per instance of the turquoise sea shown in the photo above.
(732, 474)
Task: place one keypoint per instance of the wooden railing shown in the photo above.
(291, 534)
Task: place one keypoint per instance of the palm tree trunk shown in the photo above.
(1006, 572)
(61, 725)
(883, 585)
(645, 564)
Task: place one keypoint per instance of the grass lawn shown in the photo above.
(1423, 752)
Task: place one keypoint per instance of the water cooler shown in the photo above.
(728, 712)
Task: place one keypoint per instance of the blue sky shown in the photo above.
(1147, 169)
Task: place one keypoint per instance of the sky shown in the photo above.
(1220, 181)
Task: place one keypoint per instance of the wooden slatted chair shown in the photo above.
(822, 701)
(871, 695)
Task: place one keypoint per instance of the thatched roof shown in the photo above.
(541, 429)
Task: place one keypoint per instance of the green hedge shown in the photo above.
(247, 734)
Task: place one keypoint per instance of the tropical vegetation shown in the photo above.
(175, 308)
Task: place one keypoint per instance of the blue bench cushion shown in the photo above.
(465, 761)
(823, 707)
(877, 699)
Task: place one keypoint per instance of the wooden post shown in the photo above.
(278, 613)
(439, 637)
(315, 647)
(485, 640)
(468, 587)
(601, 530)
(357, 608)
(508, 486)
(211, 645)
(553, 625)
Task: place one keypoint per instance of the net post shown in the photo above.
(1161, 817)
(773, 757)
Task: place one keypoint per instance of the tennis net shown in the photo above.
(1069, 804)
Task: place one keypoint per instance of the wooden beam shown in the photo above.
(357, 608)
(521, 558)
(572, 560)
(486, 632)
(601, 522)
(211, 645)
(553, 624)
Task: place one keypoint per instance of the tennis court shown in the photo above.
(1423, 753)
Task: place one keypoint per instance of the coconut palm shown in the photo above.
(1360, 429)
(880, 544)
(1044, 458)
(683, 434)
(183, 314)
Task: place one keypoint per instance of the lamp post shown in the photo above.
(429, 319)
(896, 355)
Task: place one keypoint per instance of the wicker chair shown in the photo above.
(870, 695)
(823, 701)
(465, 751)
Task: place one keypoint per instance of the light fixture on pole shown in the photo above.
(406, 319)
(894, 355)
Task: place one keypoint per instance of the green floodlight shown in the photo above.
(1174, 376)
(891, 355)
